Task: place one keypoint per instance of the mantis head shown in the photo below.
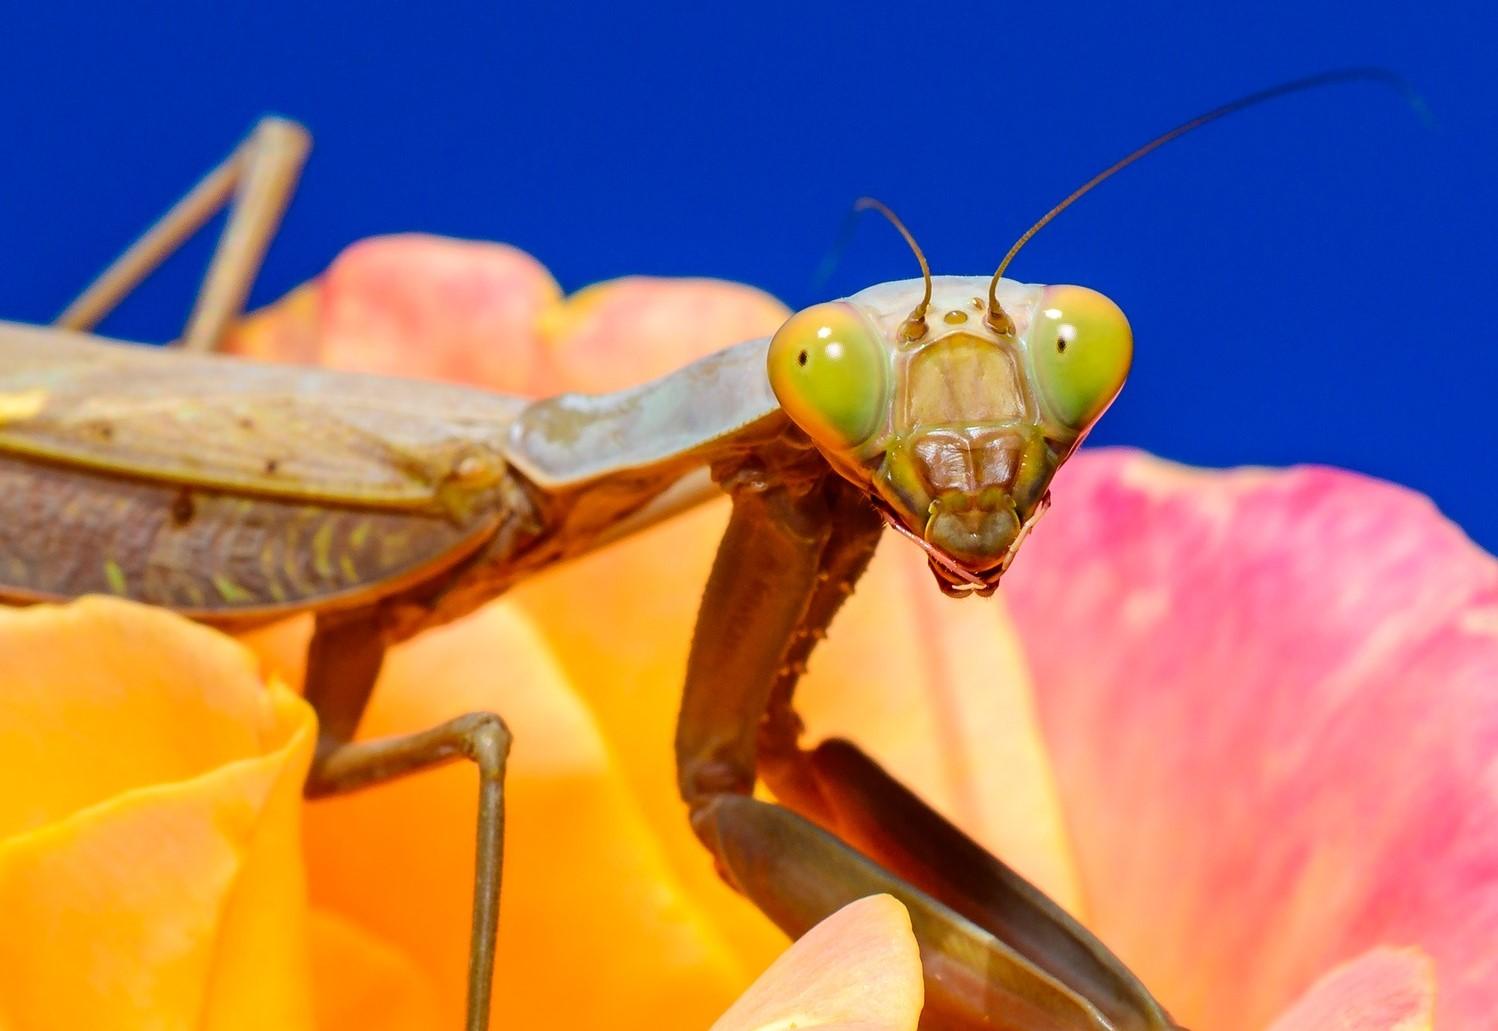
(955, 416)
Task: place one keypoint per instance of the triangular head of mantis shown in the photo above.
(953, 426)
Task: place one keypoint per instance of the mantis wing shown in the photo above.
(230, 424)
(230, 490)
(233, 490)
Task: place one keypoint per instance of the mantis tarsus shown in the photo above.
(237, 493)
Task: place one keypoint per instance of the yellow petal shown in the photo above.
(149, 848)
(857, 969)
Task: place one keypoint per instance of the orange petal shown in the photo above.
(282, 648)
(627, 331)
(588, 901)
(364, 984)
(149, 862)
(857, 970)
(1270, 700)
(1381, 990)
(288, 331)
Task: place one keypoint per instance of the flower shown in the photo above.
(1244, 723)
(1271, 701)
(149, 830)
(150, 873)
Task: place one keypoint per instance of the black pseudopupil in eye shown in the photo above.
(801, 358)
(1060, 345)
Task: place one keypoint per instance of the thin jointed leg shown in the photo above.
(481, 737)
(259, 177)
(342, 666)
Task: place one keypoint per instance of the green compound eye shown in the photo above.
(830, 374)
(1082, 346)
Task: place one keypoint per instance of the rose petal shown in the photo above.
(290, 330)
(587, 898)
(150, 873)
(414, 305)
(857, 970)
(628, 331)
(1270, 700)
(364, 984)
(490, 315)
(1381, 990)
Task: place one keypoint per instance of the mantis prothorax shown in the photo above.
(237, 493)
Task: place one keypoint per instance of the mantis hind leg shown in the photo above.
(342, 667)
(256, 181)
(996, 952)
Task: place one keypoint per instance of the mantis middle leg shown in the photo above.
(342, 666)
(997, 953)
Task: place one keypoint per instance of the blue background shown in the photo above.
(1310, 281)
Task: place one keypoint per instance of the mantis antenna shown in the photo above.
(914, 326)
(999, 320)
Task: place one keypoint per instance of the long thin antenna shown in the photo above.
(999, 320)
(914, 326)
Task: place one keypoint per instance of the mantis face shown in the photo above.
(954, 428)
(955, 418)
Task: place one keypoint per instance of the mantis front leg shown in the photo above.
(997, 953)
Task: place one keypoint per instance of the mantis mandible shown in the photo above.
(237, 493)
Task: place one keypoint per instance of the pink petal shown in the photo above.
(490, 315)
(627, 331)
(433, 307)
(1272, 699)
(858, 970)
(1382, 990)
(414, 305)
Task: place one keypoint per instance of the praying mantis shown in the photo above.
(237, 493)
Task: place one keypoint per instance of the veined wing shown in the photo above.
(230, 424)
